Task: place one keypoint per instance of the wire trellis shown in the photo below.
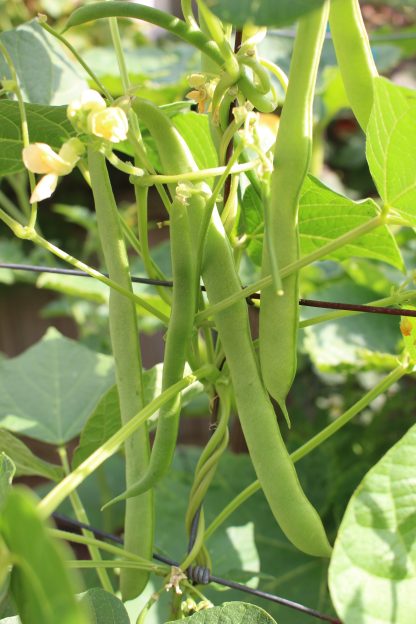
(203, 576)
(312, 303)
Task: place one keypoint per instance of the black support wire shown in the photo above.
(312, 303)
(201, 575)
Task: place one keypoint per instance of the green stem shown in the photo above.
(55, 497)
(10, 207)
(192, 176)
(80, 60)
(24, 126)
(293, 267)
(81, 516)
(101, 545)
(128, 367)
(118, 48)
(115, 563)
(312, 444)
(18, 184)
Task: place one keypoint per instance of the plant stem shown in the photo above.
(128, 366)
(81, 516)
(192, 176)
(55, 497)
(293, 267)
(312, 444)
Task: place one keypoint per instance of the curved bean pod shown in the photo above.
(172, 24)
(279, 313)
(289, 505)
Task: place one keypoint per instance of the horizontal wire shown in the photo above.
(312, 303)
(210, 578)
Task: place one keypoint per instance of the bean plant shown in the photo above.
(209, 171)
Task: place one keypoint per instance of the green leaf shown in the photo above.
(391, 146)
(264, 13)
(361, 342)
(47, 124)
(372, 575)
(324, 216)
(40, 584)
(49, 391)
(7, 472)
(103, 607)
(46, 75)
(230, 613)
(25, 461)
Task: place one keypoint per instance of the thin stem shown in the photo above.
(81, 516)
(80, 60)
(114, 563)
(10, 207)
(293, 267)
(55, 497)
(192, 176)
(18, 184)
(276, 71)
(24, 126)
(312, 444)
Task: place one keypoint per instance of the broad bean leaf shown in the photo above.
(40, 583)
(103, 607)
(391, 147)
(47, 124)
(46, 75)
(232, 613)
(324, 215)
(25, 461)
(49, 391)
(265, 13)
(372, 575)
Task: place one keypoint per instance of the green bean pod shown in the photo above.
(138, 528)
(275, 470)
(354, 57)
(177, 341)
(174, 25)
(279, 313)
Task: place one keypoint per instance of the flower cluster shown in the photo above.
(89, 115)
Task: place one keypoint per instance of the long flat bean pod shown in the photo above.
(177, 339)
(292, 510)
(279, 313)
(138, 528)
(354, 56)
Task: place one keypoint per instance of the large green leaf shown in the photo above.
(25, 461)
(324, 216)
(46, 75)
(230, 613)
(103, 607)
(49, 391)
(372, 574)
(41, 585)
(194, 128)
(47, 124)
(391, 146)
(264, 13)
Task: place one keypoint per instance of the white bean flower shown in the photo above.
(91, 115)
(41, 158)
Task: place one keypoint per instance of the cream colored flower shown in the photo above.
(41, 158)
(89, 101)
(110, 124)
